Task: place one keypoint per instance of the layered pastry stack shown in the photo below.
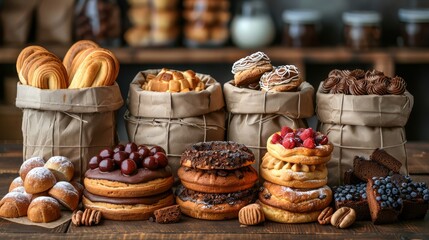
(173, 81)
(85, 65)
(294, 168)
(41, 189)
(206, 22)
(129, 182)
(155, 23)
(217, 180)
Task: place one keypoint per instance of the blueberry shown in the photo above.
(335, 195)
(341, 195)
(377, 182)
(382, 186)
(352, 190)
(413, 194)
(380, 191)
(378, 198)
(426, 197)
(364, 196)
(390, 199)
(419, 189)
(399, 201)
(395, 205)
(388, 191)
(403, 184)
(384, 197)
(389, 185)
(374, 178)
(349, 197)
(409, 189)
(408, 196)
(426, 191)
(337, 199)
(383, 181)
(395, 191)
(383, 204)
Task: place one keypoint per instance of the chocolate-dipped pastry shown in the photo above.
(358, 87)
(378, 88)
(397, 86)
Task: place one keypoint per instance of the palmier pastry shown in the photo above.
(14, 204)
(74, 50)
(249, 69)
(293, 175)
(218, 181)
(217, 155)
(94, 67)
(281, 79)
(212, 206)
(24, 54)
(295, 200)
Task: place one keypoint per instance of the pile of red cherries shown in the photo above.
(129, 158)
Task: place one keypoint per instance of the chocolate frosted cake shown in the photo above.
(353, 196)
(384, 200)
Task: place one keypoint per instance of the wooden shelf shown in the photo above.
(382, 59)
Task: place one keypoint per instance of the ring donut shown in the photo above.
(217, 155)
(293, 174)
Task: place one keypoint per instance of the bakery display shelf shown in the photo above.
(189, 228)
(130, 55)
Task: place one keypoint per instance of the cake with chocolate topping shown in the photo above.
(129, 182)
(353, 196)
(217, 180)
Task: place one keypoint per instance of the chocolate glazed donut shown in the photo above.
(217, 155)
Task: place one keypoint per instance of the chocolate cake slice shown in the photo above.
(353, 196)
(382, 157)
(366, 169)
(350, 178)
(384, 200)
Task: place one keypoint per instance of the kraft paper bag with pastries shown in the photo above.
(54, 21)
(174, 121)
(357, 125)
(16, 18)
(76, 123)
(253, 116)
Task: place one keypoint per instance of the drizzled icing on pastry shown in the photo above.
(249, 62)
(279, 76)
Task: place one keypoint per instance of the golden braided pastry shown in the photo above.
(94, 67)
(74, 50)
(173, 81)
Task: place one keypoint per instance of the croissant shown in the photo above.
(74, 50)
(93, 68)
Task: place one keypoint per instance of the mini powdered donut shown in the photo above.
(249, 69)
(282, 216)
(281, 79)
(114, 184)
(217, 155)
(280, 152)
(17, 182)
(125, 209)
(29, 164)
(65, 194)
(43, 210)
(61, 167)
(293, 174)
(14, 204)
(295, 200)
(38, 180)
(212, 206)
(218, 181)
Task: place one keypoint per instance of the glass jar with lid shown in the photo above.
(414, 27)
(301, 28)
(362, 29)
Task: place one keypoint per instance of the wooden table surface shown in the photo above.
(189, 228)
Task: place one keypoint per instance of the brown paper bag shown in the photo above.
(253, 116)
(357, 125)
(174, 121)
(54, 21)
(76, 123)
(350, 141)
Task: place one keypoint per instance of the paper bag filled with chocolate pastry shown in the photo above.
(69, 105)
(361, 111)
(263, 98)
(174, 109)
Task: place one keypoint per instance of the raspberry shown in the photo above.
(307, 133)
(286, 130)
(276, 139)
(288, 143)
(289, 135)
(308, 143)
(321, 139)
